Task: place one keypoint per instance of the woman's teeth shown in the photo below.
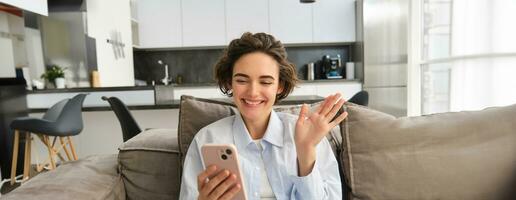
(252, 102)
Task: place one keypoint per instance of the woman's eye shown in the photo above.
(240, 81)
(266, 83)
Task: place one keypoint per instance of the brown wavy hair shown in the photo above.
(250, 43)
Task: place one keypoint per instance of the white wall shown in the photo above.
(34, 49)
(104, 18)
(6, 50)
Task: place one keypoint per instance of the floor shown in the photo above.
(7, 187)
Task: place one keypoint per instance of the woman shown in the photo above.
(282, 156)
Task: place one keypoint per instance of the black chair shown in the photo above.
(360, 98)
(128, 124)
(63, 119)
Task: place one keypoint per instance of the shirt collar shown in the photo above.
(273, 133)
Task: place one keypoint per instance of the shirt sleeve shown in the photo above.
(191, 169)
(324, 180)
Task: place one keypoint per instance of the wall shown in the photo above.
(6, 49)
(34, 53)
(104, 19)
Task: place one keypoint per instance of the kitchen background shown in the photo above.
(414, 57)
(196, 66)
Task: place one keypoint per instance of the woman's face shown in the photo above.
(255, 84)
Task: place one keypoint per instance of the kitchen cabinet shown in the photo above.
(159, 23)
(203, 23)
(334, 21)
(39, 7)
(197, 23)
(291, 21)
(246, 15)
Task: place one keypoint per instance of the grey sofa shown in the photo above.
(463, 155)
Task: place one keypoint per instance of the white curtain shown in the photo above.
(483, 38)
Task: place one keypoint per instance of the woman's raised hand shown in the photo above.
(312, 127)
(220, 187)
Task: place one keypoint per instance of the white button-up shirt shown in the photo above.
(279, 156)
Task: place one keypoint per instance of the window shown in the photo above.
(468, 55)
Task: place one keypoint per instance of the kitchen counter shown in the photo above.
(167, 97)
(291, 100)
(90, 89)
(184, 85)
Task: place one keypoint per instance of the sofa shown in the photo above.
(456, 155)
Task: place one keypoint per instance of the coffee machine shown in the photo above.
(332, 67)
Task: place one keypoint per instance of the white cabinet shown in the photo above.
(334, 21)
(197, 23)
(203, 23)
(246, 15)
(39, 6)
(291, 21)
(159, 23)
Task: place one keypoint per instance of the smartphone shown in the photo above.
(224, 156)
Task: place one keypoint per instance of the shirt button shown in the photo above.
(256, 194)
(257, 168)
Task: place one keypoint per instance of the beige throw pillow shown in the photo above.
(461, 155)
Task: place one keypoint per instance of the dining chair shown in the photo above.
(61, 121)
(130, 127)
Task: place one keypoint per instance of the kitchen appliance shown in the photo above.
(66, 42)
(350, 70)
(382, 42)
(310, 71)
(332, 67)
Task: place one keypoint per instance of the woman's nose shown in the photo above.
(254, 90)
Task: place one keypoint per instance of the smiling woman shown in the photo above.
(255, 72)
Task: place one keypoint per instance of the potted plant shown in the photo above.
(55, 74)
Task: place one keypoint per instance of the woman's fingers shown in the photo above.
(208, 187)
(231, 193)
(339, 119)
(303, 113)
(330, 104)
(223, 187)
(323, 104)
(202, 177)
(335, 109)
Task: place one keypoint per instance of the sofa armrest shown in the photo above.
(150, 165)
(94, 177)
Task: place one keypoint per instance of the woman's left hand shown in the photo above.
(311, 128)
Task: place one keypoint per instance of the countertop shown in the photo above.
(291, 100)
(179, 86)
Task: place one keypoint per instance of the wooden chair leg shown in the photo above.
(27, 161)
(72, 147)
(63, 144)
(50, 152)
(15, 156)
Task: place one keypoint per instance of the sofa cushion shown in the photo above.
(196, 113)
(150, 165)
(89, 178)
(461, 155)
